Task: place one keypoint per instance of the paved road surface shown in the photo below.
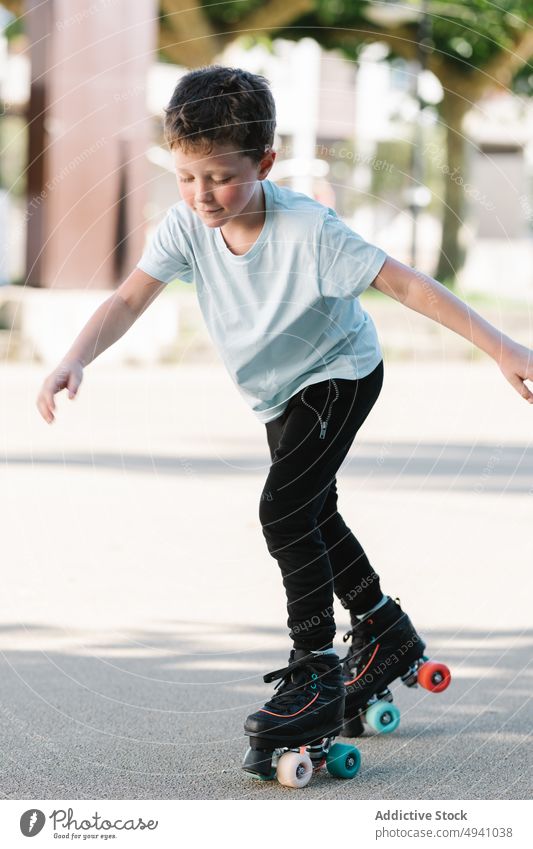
(141, 609)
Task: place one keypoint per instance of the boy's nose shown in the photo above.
(203, 196)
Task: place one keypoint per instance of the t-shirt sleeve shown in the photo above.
(347, 264)
(165, 254)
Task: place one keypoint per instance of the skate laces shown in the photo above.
(363, 638)
(293, 691)
(365, 635)
(359, 633)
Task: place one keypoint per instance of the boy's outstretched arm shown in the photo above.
(425, 295)
(110, 321)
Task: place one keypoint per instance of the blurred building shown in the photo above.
(344, 136)
(499, 259)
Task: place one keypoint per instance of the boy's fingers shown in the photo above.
(525, 392)
(72, 387)
(46, 414)
(520, 387)
(46, 405)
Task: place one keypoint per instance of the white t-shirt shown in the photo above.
(286, 313)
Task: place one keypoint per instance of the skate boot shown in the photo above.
(384, 646)
(292, 734)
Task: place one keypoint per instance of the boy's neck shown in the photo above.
(251, 220)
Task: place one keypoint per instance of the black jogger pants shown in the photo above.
(316, 551)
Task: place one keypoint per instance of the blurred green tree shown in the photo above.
(475, 46)
(193, 33)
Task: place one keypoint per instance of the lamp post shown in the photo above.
(5, 17)
(390, 13)
(419, 194)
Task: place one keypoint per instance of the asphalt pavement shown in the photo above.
(140, 607)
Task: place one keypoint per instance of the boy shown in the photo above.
(278, 277)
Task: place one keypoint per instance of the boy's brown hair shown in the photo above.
(222, 105)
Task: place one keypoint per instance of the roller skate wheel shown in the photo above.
(434, 676)
(383, 717)
(294, 769)
(343, 761)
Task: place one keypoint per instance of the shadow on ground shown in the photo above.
(159, 714)
(480, 467)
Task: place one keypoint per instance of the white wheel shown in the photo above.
(294, 769)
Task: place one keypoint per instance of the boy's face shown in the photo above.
(222, 185)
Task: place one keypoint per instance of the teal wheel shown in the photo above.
(383, 717)
(343, 761)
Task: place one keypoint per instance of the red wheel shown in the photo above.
(434, 676)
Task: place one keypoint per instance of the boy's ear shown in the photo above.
(267, 162)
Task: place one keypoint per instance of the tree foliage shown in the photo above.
(472, 46)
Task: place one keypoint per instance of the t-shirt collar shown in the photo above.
(261, 239)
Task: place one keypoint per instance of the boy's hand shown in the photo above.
(516, 363)
(67, 375)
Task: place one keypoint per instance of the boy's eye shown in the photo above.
(216, 182)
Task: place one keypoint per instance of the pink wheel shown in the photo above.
(434, 676)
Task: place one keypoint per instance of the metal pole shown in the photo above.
(423, 44)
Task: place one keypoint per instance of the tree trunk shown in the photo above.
(452, 253)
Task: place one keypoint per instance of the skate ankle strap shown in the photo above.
(286, 670)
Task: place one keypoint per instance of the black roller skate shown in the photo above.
(384, 646)
(292, 735)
